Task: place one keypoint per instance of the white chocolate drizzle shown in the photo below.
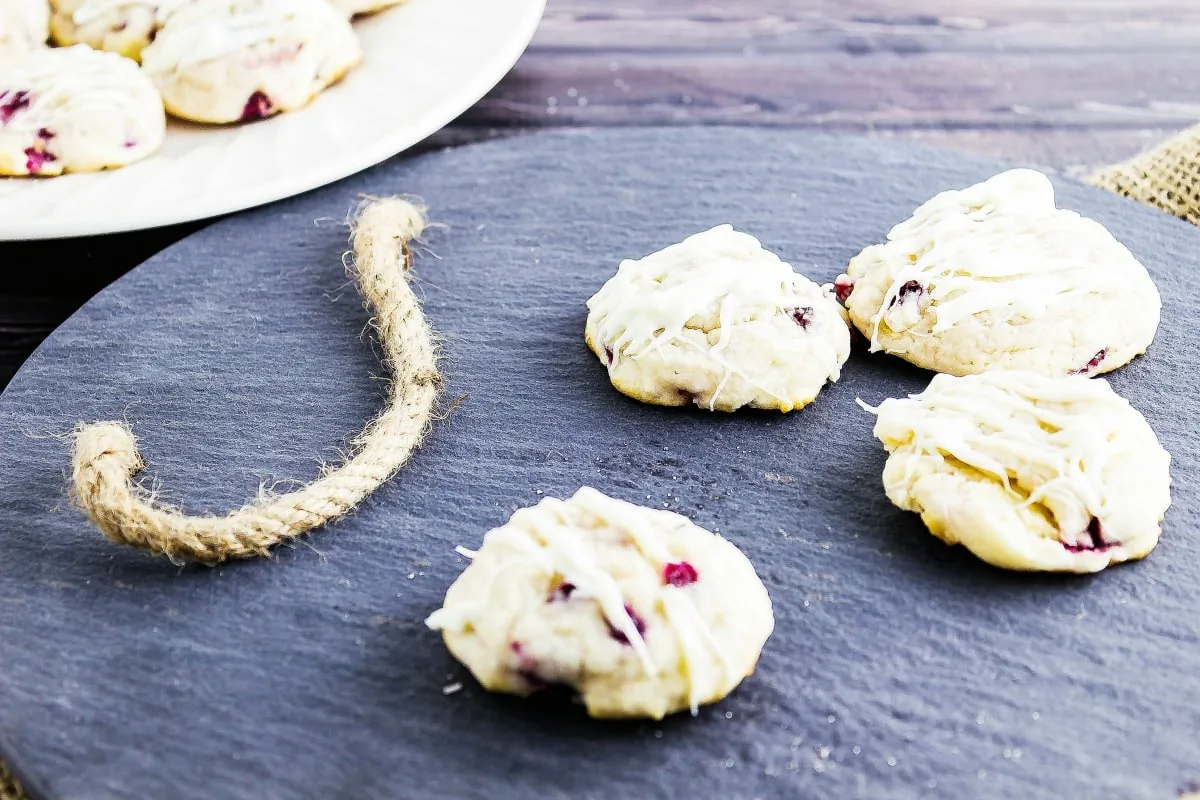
(24, 26)
(1045, 439)
(999, 246)
(92, 10)
(650, 301)
(208, 30)
(62, 82)
(550, 544)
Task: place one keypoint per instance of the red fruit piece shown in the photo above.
(36, 158)
(257, 107)
(638, 623)
(680, 574)
(842, 287)
(909, 289)
(1095, 540)
(802, 316)
(1096, 361)
(11, 103)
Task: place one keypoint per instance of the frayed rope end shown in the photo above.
(384, 227)
(403, 216)
(105, 444)
(105, 458)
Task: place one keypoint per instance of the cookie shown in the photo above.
(638, 611)
(358, 8)
(224, 61)
(24, 26)
(119, 26)
(994, 276)
(75, 109)
(719, 321)
(1028, 472)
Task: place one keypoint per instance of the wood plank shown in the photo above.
(935, 91)
(824, 26)
(914, 12)
(802, 89)
(859, 65)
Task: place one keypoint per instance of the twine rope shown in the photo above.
(106, 456)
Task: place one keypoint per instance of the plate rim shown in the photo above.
(211, 207)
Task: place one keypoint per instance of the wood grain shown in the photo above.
(1016, 69)
(1065, 85)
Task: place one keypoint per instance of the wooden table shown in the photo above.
(1062, 85)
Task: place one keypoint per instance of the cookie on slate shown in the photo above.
(719, 321)
(24, 27)
(119, 26)
(224, 61)
(995, 277)
(75, 109)
(638, 611)
(1028, 472)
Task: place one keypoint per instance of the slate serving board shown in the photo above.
(899, 667)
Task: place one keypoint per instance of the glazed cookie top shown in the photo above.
(640, 567)
(119, 26)
(24, 26)
(207, 30)
(1067, 445)
(52, 86)
(85, 12)
(999, 246)
(720, 271)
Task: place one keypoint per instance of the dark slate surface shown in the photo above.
(899, 667)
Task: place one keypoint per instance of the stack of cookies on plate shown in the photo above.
(99, 98)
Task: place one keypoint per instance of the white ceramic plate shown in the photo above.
(424, 63)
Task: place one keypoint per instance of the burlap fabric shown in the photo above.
(9, 788)
(1166, 177)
